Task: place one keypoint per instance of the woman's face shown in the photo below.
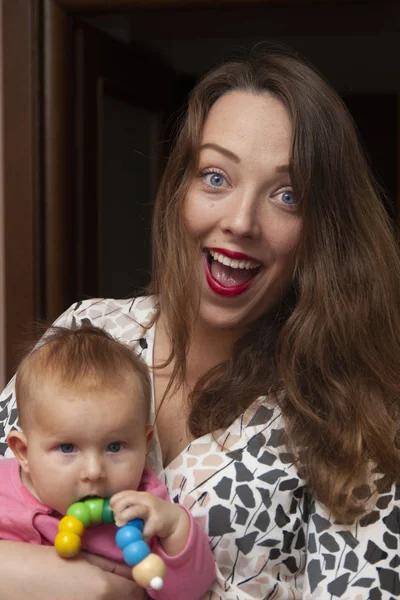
(241, 210)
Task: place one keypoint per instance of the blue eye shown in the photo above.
(288, 198)
(115, 447)
(67, 448)
(215, 180)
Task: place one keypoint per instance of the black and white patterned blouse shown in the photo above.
(271, 540)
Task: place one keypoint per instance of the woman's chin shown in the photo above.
(223, 319)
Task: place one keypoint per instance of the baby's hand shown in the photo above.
(168, 521)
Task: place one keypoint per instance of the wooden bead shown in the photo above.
(150, 572)
(72, 525)
(67, 544)
(95, 506)
(81, 512)
(108, 515)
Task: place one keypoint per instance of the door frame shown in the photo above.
(20, 183)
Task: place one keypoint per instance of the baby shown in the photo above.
(83, 404)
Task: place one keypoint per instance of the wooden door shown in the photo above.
(123, 99)
(104, 123)
(60, 81)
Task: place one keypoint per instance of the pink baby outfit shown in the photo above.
(23, 518)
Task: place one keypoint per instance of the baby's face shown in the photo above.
(85, 443)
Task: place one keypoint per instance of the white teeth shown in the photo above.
(234, 263)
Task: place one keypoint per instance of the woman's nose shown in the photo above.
(242, 218)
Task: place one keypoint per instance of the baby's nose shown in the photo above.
(93, 468)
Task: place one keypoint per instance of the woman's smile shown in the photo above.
(230, 273)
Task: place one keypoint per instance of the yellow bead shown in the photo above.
(72, 525)
(67, 544)
(151, 568)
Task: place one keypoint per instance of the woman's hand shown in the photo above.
(168, 521)
(108, 565)
(37, 573)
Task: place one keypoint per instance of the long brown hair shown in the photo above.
(330, 354)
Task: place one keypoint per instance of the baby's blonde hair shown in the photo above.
(88, 357)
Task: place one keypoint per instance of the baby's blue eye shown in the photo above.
(67, 448)
(288, 198)
(215, 179)
(115, 447)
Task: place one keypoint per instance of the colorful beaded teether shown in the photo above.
(148, 570)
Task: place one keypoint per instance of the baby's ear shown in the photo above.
(18, 444)
(149, 434)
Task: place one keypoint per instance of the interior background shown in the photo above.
(88, 92)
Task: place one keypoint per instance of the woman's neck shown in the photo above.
(208, 347)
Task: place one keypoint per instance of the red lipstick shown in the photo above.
(222, 290)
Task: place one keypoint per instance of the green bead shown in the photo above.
(80, 511)
(95, 506)
(108, 515)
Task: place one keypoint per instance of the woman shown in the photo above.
(274, 335)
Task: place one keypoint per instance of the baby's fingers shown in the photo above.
(125, 496)
(151, 527)
(128, 513)
(122, 500)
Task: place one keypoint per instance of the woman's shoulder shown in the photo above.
(126, 319)
(141, 309)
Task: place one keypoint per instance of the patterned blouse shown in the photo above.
(270, 538)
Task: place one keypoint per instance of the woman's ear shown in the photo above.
(18, 444)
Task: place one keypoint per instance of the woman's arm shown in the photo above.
(37, 573)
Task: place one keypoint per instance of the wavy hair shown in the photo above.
(330, 353)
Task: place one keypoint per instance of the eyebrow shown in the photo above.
(232, 156)
(228, 153)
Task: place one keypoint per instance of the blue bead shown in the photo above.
(139, 523)
(126, 535)
(135, 553)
